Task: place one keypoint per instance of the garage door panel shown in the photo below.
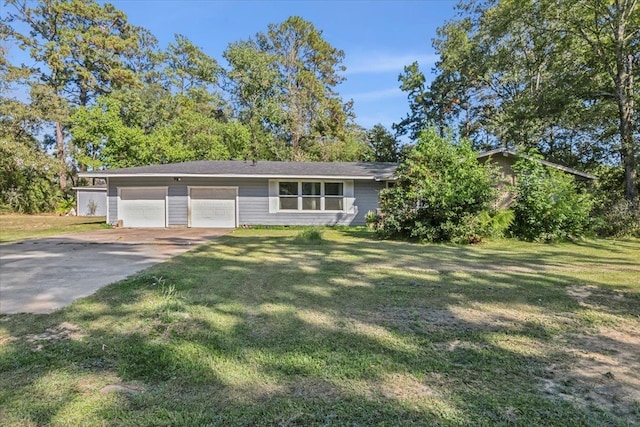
(213, 194)
(213, 207)
(142, 193)
(142, 207)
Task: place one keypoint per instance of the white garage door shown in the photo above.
(213, 207)
(142, 207)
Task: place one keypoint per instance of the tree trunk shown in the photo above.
(60, 155)
(624, 85)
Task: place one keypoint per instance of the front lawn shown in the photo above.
(263, 328)
(19, 227)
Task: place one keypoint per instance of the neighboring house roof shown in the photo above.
(510, 153)
(257, 169)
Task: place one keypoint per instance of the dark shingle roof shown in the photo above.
(261, 168)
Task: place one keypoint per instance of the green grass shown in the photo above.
(260, 327)
(15, 227)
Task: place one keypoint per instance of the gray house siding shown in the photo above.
(253, 201)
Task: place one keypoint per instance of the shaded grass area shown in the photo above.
(20, 227)
(263, 327)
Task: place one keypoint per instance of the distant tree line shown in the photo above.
(99, 92)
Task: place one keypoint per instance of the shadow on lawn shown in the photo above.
(264, 330)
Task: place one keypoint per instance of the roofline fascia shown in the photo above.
(568, 169)
(196, 175)
(502, 151)
(496, 151)
(90, 188)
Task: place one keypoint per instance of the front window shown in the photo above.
(334, 196)
(311, 195)
(288, 192)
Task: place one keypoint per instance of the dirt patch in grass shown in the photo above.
(601, 369)
(598, 369)
(128, 388)
(582, 294)
(64, 331)
(476, 317)
(405, 387)
(314, 388)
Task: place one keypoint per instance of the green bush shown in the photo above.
(65, 205)
(612, 215)
(310, 235)
(621, 219)
(495, 224)
(439, 193)
(548, 205)
(371, 219)
(27, 177)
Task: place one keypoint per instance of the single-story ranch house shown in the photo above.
(234, 193)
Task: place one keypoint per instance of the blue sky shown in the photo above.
(378, 37)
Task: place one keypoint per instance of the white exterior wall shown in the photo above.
(84, 199)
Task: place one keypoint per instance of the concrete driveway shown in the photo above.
(41, 275)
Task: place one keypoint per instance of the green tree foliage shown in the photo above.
(351, 147)
(188, 68)
(78, 49)
(27, 172)
(610, 31)
(175, 114)
(553, 75)
(27, 177)
(548, 205)
(104, 140)
(383, 145)
(440, 191)
(194, 75)
(612, 215)
(254, 86)
(284, 82)
(115, 139)
(426, 105)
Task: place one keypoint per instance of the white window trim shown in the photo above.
(221, 187)
(108, 202)
(166, 200)
(347, 196)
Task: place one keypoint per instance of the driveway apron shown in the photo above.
(41, 275)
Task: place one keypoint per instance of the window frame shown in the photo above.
(322, 196)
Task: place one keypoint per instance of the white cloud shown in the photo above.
(385, 63)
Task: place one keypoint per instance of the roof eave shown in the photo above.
(192, 175)
(507, 152)
(568, 170)
(503, 151)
